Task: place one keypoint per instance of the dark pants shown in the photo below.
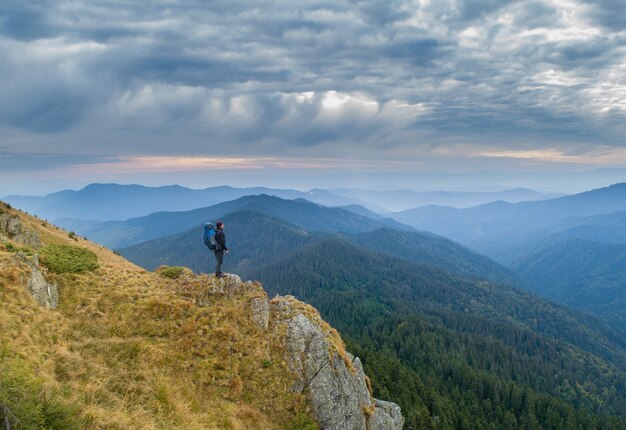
(219, 258)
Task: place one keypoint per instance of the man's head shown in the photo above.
(219, 225)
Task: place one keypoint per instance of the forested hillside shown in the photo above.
(580, 273)
(457, 353)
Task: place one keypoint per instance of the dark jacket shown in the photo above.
(220, 240)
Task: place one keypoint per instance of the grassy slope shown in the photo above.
(130, 349)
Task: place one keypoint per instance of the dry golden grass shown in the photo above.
(130, 349)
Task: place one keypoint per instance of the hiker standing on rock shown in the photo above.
(215, 240)
(220, 248)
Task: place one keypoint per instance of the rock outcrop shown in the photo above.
(260, 310)
(332, 378)
(387, 415)
(46, 294)
(11, 228)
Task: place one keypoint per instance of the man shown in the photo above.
(220, 248)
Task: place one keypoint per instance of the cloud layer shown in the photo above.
(393, 80)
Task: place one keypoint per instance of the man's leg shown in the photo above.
(219, 259)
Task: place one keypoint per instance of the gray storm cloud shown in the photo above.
(399, 78)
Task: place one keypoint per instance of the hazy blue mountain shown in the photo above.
(609, 228)
(567, 249)
(329, 198)
(582, 274)
(107, 202)
(397, 200)
(436, 251)
(505, 231)
(257, 239)
(308, 215)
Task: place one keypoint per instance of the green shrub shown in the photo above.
(68, 259)
(171, 272)
(72, 235)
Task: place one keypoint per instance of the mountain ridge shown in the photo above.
(117, 234)
(120, 347)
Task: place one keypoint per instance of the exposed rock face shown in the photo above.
(332, 378)
(260, 308)
(45, 293)
(11, 228)
(230, 285)
(386, 416)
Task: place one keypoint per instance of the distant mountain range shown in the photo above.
(312, 216)
(567, 249)
(109, 202)
(507, 231)
(398, 200)
(257, 239)
(114, 202)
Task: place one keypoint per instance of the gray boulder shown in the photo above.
(387, 416)
(11, 228)
(332, 379)
(45, 293)
(230, 285)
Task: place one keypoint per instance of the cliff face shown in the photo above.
(118, 347)
(332, 378)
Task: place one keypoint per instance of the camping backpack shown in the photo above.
(209, 236)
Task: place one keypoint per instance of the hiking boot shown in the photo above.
(220, 274)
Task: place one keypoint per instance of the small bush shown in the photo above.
(68, 259)
(72, 235)
(171, 272)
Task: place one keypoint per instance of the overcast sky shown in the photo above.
(124, 90)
